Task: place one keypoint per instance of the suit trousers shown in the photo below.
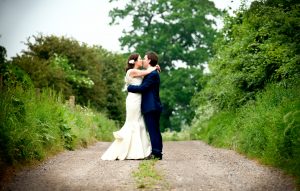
(152, 123)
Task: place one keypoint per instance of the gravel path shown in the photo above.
(193, 165)
(78, 170)
(188, 165)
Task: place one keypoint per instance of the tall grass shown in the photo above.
(267, 128)
(34, 125)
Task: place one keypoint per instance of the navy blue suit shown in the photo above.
(151, 108)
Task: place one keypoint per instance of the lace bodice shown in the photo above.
(132, 81)
(131, 141)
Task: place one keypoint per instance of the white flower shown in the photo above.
(131, 61)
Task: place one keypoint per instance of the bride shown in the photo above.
(131, 141)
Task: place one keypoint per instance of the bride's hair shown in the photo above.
(130, 65)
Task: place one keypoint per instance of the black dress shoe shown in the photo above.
(153, 157)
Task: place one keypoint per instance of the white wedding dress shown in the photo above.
(131, 141)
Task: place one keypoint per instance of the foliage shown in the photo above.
(250, 101)
(92, 74)
(34, 125)
(2, 55)
(177, 29)
(253, 53)
(113, 77)
(11, 75)
(177, 88)
(77, 77)
(2, 64)
(267, 128)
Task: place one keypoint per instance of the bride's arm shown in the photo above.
(138, 73)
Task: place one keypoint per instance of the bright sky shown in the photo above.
(84, 20)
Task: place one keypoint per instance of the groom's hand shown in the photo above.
(158, 68)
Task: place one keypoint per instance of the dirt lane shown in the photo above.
(188, 165)
(193, 165)
(78, 170)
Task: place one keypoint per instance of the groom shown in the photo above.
(151, 105)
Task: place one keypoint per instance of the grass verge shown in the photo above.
(35, 125)
(267, 128)
(148, 177)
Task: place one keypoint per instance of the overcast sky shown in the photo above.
(84, 20)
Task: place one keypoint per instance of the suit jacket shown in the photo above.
(150, 92)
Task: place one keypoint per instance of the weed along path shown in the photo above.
(187, 165)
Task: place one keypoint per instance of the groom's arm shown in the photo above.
(147, 83)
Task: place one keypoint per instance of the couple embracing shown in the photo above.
(143, 109)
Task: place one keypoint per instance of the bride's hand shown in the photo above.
(157, 67)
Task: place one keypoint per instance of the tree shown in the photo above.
(2, 63)
(89, 73)
(177, 29)
(258, 47)
(2, 60)
(251, 100)
(179, 86)
(2, 54)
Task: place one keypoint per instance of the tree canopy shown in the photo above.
(259, 46)
(177, 89)
(177, 29)
(92, 74)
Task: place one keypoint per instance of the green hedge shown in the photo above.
(267, 129)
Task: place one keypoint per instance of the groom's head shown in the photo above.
(151, 59)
